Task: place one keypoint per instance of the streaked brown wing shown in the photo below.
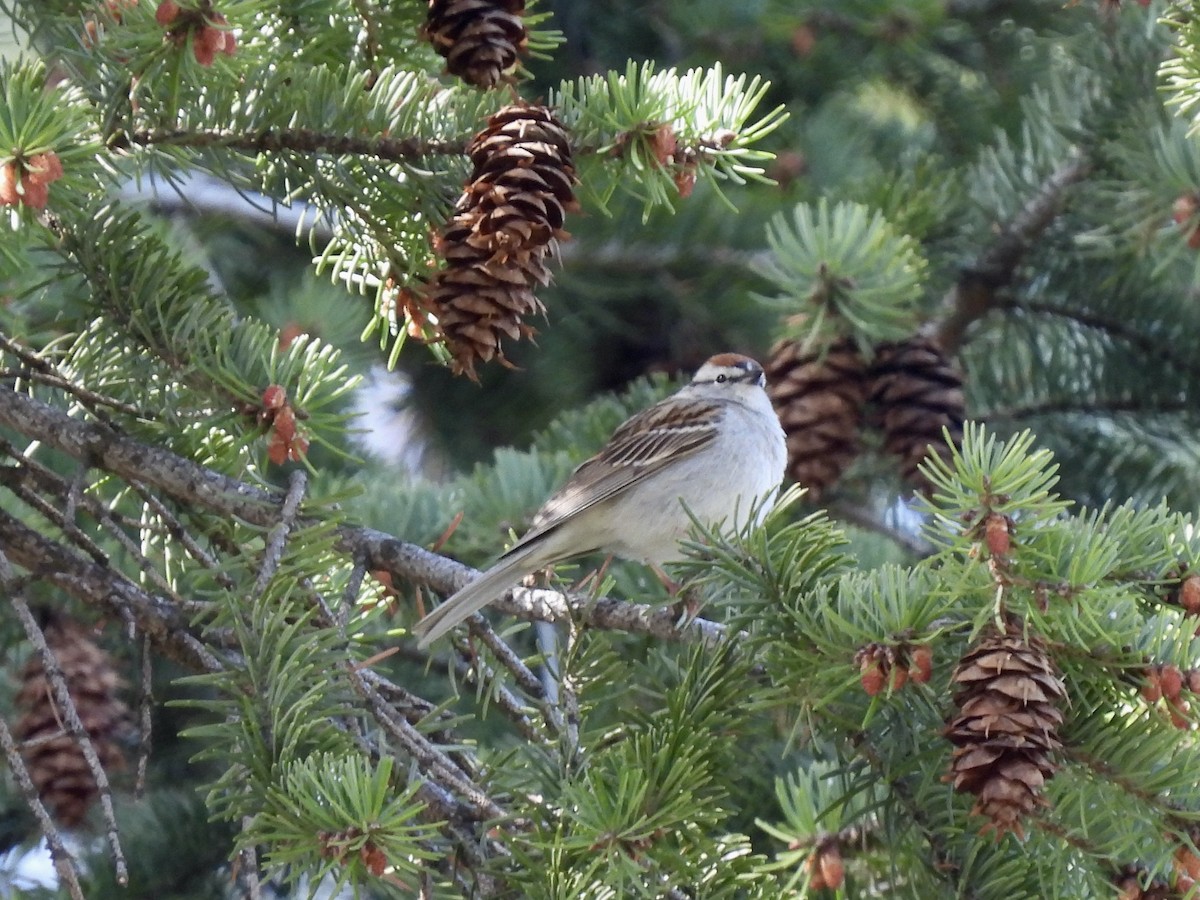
(640, 447)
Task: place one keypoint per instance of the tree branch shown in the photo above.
(98, 585)
(302, 140)
(1075, 405)
(976, 291)
(158, 472)
(102, 447)
(1154, 348)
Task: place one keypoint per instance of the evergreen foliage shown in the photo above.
(982, 691)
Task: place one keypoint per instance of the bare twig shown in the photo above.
(70, 714)
(249, 857)
(570, 703)
(469, 672)
(145, 718)
(12, 479)
(431, 761)
(358, 572)
(526, 679)
(414, 709)
(74, 492)
(277, 537)
(63, 862)
(476, 672)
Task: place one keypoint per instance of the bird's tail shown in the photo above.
(507, 571)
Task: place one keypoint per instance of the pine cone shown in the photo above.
(819, 397)
(1005, 733)
(480, 39)
(56, 764)
(508, 221)
(917, 391)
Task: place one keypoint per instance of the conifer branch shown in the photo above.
(943, 862)
(94, 584)
(98, 585)
(41, 370)
(104, 448)
(1112, 774)
(1086, 407)
(1154, 348)
(503, 699)
(977, 288)
(414, 709)
(453, 773)
(56, 487)
(432, 762)
(270, 140)
(856, 514)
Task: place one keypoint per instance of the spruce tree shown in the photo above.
(957, 659)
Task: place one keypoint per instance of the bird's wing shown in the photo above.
(670, 430)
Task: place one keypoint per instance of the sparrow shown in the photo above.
(714, 448)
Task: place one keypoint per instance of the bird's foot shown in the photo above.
(592, 580)
(687, 607)
(673, 587)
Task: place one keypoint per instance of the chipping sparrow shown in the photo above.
(715, 447)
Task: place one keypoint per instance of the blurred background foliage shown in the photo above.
(947, 117)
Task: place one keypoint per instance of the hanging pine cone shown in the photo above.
(819, 397)
(480, 39)
(1005, 733)
(916, 391)
(55, 762)
(508, 221)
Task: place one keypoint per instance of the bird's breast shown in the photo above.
(720, 483)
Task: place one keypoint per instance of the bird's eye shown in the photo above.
(721, 379)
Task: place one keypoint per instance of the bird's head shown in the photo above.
(730, 369)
